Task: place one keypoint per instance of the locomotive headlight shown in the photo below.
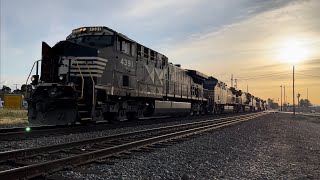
(62, 77)
(34, 79)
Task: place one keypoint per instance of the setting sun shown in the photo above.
(293, 52)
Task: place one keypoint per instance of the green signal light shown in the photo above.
(28, 129)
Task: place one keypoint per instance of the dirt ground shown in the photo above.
(12, 117)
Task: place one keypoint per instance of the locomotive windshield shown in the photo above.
(98, 41)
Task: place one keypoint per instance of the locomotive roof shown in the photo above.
(96, 30)
(100, 30)
(197, 73)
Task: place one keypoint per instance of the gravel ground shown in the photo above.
(50, 140)
(275, 146)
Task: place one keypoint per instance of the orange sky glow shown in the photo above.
(260, 52)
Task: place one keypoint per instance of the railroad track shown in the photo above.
(8, 134)
(41, 161)
(13, 134)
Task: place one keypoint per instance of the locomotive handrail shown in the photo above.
(81, 78)
(29, 76)
(93, 85)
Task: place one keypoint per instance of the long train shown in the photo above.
(100, 74)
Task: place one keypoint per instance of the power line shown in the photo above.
(309, 75)
(266, 74)
(273, 75)
(279, 74)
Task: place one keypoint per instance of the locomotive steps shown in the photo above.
(81, 152)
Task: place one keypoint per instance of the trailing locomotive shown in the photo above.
(100, 74)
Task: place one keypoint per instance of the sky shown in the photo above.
(255, 40)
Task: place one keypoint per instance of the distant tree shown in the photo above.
(6, 89)
(272, 104)
(17, 91)
(275, 106)
(304, 103)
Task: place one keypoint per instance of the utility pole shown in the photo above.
(281, 99)
(294, 108)
(307, 94)
(236, 85)
(298, 96)
(16, 86)
(284, 94)
(247, 89)
(231, 80)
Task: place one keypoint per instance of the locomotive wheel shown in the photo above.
(87, 122)
(112, 117)
(132, 116)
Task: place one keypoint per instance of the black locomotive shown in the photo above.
(100, 74)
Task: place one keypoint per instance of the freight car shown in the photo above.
(100, 74)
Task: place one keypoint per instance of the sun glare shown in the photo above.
(292, 52)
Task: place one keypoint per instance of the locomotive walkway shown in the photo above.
(33, 162)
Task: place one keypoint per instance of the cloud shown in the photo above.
(251, 41)
(3, 83)
(249, 48)
(313, 62)
(215, 37)
(145, 8)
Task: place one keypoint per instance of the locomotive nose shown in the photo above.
(51, 56)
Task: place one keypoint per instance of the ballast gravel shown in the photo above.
(275, 146)
(58, 139)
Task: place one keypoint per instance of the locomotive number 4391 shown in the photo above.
(126, 63)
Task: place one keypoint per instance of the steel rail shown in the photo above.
(22, 153)
(18, 133)
(56, 165)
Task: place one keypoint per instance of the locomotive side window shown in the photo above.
(164, 61)
(133, 49)
(146, 52)
(125, 80)
(152, 55)
(124, 46)
(118, 44)
(139, 50)
(159, 56)
(96, 41)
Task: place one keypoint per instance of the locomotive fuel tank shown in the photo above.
(171, 108)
